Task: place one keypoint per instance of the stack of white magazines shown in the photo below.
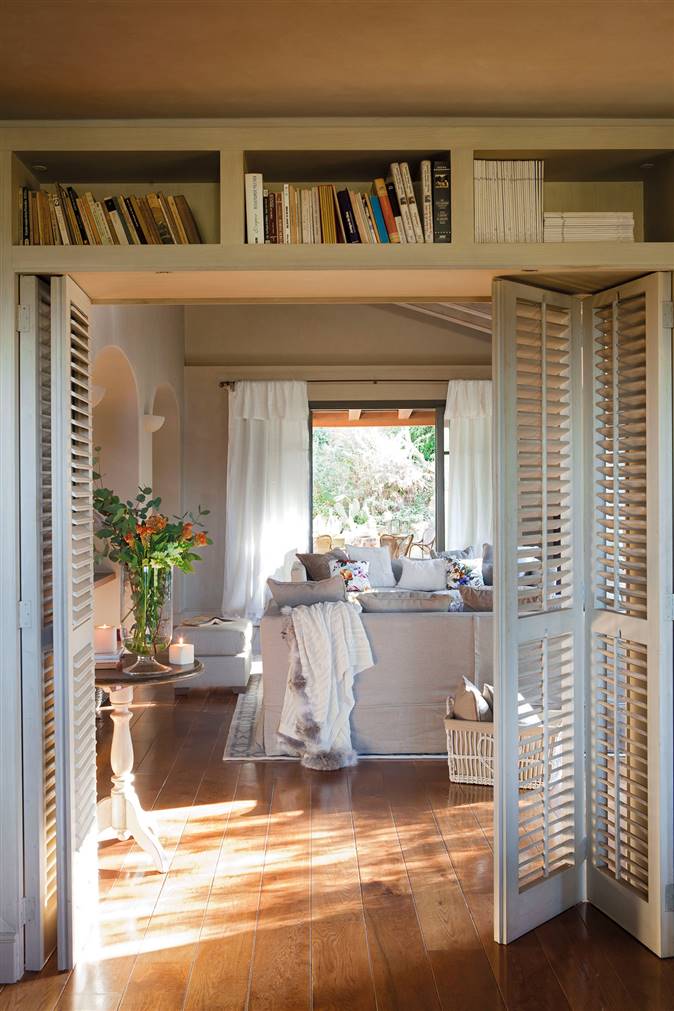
(589, 226)
(508, 201)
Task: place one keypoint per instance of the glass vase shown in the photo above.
(147, 616)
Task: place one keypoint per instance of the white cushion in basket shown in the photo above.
(470, 704)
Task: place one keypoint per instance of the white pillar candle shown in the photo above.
(181, 653)
(105, 639)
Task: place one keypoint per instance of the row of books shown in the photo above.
(63, 218)
(508, 200)
(588, 226)
(395, 211)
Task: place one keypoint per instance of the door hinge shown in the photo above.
(23, 318)
(668, 315)
(25, 614)
(28, 911)
(669, 898)
(669, 607)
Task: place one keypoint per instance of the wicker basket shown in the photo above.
(470, 753)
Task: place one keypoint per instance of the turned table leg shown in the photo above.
(120, 815)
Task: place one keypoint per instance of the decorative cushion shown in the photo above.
(318, 565)
(451, 553)
(379, 560)
(423, 574)
(385, 601)
(305, 594)
(355, 575)
(477, 598)
(466, 572)
(230, 639)
(488, 564)
(488, 693)
(470, 704)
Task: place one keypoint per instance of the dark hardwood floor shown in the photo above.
(363, 890)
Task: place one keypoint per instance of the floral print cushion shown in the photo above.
(356, 575)
(464, 572)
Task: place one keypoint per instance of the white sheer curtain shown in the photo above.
(469, 493)
(267, 490)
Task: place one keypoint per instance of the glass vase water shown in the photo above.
(147, 616)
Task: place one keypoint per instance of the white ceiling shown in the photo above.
(191, 58)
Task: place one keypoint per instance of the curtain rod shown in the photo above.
(231, 383)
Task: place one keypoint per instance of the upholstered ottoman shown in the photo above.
(225, 651)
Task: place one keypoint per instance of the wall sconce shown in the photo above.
(97, 394)
(153, 422)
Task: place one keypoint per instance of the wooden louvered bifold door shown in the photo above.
(539, 654)
(37, 621)
(73, 618)
(629, 486)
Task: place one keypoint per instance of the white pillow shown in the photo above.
(379, 559)
(423, 574)
(470, 703)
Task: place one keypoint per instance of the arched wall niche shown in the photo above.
(167, 452)
(116, 422)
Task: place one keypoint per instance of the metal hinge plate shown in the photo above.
(28, 911)
(23, 318)
(668, 315)
(25, 614)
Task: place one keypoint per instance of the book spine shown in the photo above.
(265, 214)
(25, 217)
(359, 217)
(316, 214)
(286, 213)
(369, 218)
(305, 203)
(411, 201)
(125, 218)
(132, 208)
(53, 223)
(61, 220)
(348, 221)
(442, 203)
(147, 217)
(96, 226)
(402, 202)
(160, 221)
(272, 218)
(188, 220)
(382, 230)
(170, 220)
(427, 200)
(254, 209)
(116, 221)
(386, 210)
(278, 199)
(92, 234)
(182, 232)
(339, 224)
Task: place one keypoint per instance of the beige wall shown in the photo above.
(220, 340)
(148, 343)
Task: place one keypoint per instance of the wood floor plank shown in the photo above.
(281, 968)
(401, 967)
(341, 974)
(448, 930)
(221, 971)
(524, 975)
(586, 976)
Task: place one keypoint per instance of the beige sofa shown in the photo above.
(420, 658)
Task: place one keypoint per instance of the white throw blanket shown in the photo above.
(328, 647)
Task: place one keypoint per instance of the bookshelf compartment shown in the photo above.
(639, 183)
(194, 175)
(358, 219)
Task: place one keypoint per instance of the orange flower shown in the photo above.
(200, 539)
(156, 523)
(187, 531)
(130, 539)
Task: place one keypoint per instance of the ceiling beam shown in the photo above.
(404, 413)
(354, 414)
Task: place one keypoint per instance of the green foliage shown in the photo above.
(378, 478)
(134, 533)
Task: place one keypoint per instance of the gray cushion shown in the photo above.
(460, 553)
(477, 598)
(397, 567)
(229, 639)
(318, 565)
(305, 594)
(488, 564)
(409, 600)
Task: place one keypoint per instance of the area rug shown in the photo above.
(244, 741)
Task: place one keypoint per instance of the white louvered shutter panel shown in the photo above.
(539, 658)
(628, 379)
(37, 658)
(73, 618)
